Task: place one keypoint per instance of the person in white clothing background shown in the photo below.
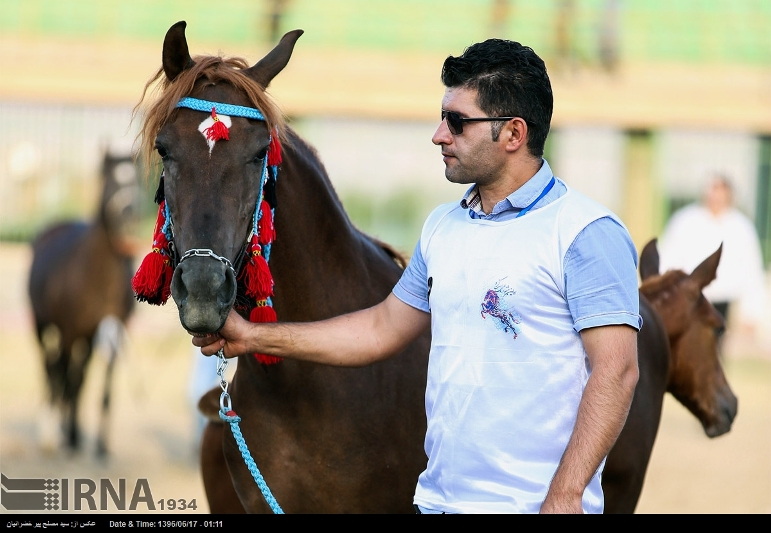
(697, 230)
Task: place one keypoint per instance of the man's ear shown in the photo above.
(515, 132)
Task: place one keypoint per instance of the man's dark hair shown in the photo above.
(511, 81)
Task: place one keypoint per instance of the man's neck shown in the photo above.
(510, 181)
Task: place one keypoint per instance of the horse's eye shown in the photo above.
(162, 152)
(260, 155)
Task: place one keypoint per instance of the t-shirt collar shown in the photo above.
(519, 199)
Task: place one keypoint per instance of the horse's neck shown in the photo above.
(318, 252)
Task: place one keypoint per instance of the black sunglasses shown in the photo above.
(455, 121)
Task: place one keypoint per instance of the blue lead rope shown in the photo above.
(233, 419)
(250, 464)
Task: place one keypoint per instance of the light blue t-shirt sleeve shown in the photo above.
(601, 277)
(412, 287)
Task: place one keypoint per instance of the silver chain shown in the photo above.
(222, 365)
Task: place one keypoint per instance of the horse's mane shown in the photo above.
(158, 110)
(657, 286)
(399, 258)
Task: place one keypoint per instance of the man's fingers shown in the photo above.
(214, 347)
(203, 340)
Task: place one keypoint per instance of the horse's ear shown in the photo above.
(705, 273)
(649, 260)
(269, 66)
(176, 56)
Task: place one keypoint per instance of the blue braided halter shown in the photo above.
(222, 109)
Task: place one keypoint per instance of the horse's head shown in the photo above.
(696, 376)
(119, 205)
(212, 179)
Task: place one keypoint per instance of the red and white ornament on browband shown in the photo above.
(215, 128)
(152, 281)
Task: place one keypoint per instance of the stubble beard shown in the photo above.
(463, 176)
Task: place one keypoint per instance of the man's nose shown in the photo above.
(442, 134)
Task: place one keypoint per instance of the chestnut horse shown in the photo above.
(80, 293)
(324, 439)
(677, 353)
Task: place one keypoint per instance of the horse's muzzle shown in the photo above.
(204, 291)
(727, 407)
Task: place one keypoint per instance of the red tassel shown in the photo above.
(265, 229)
(218, 130)
(152, 281)
(147, 280)
(264, 313)
(274, 150)
(168, 273)
(256, 275)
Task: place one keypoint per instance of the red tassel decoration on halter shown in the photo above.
(152, 281)
(274, 150)
(265, 229)
(264, 313)
(218, 130)
(256, 274)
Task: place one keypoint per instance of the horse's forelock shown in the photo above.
(161, 107)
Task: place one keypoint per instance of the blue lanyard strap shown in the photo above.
(544, 192)
(222, 109)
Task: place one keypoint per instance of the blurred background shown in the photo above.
(652, 98)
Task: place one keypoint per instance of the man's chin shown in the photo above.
(453, 177)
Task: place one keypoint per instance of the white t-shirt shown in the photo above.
(507, 369)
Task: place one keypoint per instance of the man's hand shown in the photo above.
(554, 504)
(233, 337)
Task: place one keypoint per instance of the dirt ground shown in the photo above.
(153, 429)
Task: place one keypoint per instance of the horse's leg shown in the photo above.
(217, 483)
(50, 423)
(104, 419)
(109, 337)
(78, 356)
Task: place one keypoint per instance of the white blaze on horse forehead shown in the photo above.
(206, 124)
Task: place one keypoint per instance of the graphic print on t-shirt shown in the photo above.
(498, 304)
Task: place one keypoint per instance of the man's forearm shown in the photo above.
(601, 416)
(355, 339)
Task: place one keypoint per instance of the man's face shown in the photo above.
(718, 197)
(472, 156)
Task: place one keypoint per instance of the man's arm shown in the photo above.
(355, 339)
(612, 352)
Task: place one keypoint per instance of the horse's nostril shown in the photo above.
(178, 288)
(227, 293)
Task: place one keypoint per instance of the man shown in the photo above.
(697, 230)
(530, 291)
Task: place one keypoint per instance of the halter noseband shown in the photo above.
(206, 252)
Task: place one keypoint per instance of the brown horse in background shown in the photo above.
(80, 294)
(677, 353)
